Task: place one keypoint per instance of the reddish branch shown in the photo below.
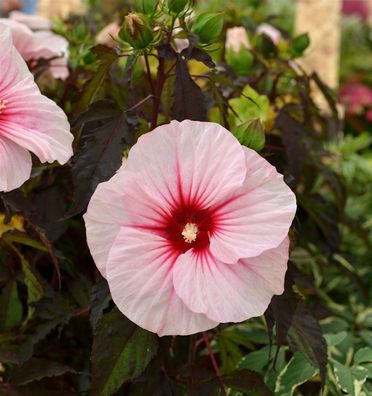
(214, 362)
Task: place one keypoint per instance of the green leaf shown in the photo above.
(37, 369)
(121, 351)
(350, 379)
(26, 240)
(10, 306)
(300, 44)
(335, 339)
(296, 372)
(251, 134)
(34, 287)
(250, 105)
(146, 6)
(256, 360)
(241, 62)
(208, 26)
(176, 6)
(363, 355)
(106, 57)
(35, 290)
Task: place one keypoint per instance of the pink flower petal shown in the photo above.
(181, 161)
(256, 217)
(140, 279)
(102, 220)
(12, 66)
(40, 45)
(230, 293)
(122, 201)
(15, 165)
(27, 118)
(34, 22)
(36, 123)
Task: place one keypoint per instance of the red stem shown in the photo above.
(214, 362)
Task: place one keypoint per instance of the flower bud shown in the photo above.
(146, 6)
(136, 32)
(251, 134)
(208, 27)
(176, 6)
(238, 55)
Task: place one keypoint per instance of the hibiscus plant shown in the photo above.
(204, 228)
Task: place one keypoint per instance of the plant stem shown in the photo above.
(157, 97)
(149, 77)
(140, 103)
(214, 362)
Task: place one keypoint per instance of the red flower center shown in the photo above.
(189, 226)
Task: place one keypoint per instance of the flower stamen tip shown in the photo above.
(3, 104)
(190, 232)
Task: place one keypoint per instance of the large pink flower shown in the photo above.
(192, 230)
(29, 121)
(40, 45)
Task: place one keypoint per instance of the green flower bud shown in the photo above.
(176, 6)
(136, 32)
(146, 6)
(208, 27)
(251, 134)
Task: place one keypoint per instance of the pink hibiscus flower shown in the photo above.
(40, 45)
(192, 230)
(34, 22)
(29, 121)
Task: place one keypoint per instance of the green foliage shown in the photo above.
(146, 6)
(296, 372)
(300, 44)
(124, 357)
(177, 6)
(10, 306)
(241, 62)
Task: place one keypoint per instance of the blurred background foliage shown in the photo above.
(59, 331)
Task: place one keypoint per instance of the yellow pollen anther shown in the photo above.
(3, 104)
(190, 232)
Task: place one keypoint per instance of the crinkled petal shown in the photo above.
(256, 217)
(230, 293)
(192, 162)
(139, 273)
(15, 165)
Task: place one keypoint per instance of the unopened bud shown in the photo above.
(251, 134)
(136, 32)
(208, 27)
